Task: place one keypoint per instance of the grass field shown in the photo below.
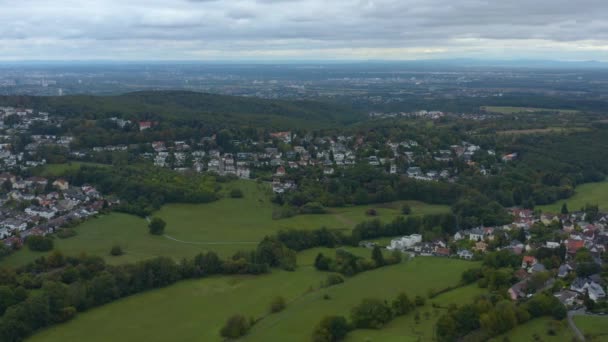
(517, 110)
(595, 328)
(224, 226)
(56, 170)
(297, 321)
(592, 193)
(403, 329)
(195, 310)
(539, 327)
(549, 130)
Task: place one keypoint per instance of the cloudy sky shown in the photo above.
(303, 29)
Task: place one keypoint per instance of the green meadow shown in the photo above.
(224, 226)
(595, 328)
(589, 193)
(517, 110)
(539, 330)
(195, 310)
(405, 328)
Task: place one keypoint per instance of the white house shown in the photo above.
(405, 242)
(42, 212)
(465, 254)
(476, 235)
(595, 291)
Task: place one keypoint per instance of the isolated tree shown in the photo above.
(565, 208)
(378, 257)
(331, 329)
(116, 250)
(406, 209)
(236, 326)
(157, 226)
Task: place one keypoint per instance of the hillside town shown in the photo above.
(39, 206)
(564, 251)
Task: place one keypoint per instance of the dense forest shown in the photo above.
(193, 109)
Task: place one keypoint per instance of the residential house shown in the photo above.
(465, 254)
(566, 297)
(595, 291)
(61, 184)
(476, 234)
(518, 290)
(405, 242)
(564, 270)
(528, 261)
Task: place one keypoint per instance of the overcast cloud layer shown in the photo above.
(303, 29)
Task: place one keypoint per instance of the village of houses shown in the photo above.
(39, 206)
(579, 235)
(282, 152)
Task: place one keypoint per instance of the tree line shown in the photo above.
(54, 289)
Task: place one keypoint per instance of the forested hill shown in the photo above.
(185, 106)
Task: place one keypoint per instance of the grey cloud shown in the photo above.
(285, 25)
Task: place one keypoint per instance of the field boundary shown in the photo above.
(211, 242)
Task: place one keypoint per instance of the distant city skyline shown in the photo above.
(211, 30)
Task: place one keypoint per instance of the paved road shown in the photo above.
(579, 335)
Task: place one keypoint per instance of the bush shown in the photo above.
(157, 226)
(39, 243)
(406, 209)
(66, 233)
(236, 193)
(277, 305)
(371, 314)
(313, 208)
(236, 326)
(116, 251)
(371, 212)
(419, 300)
(331, 329)
(333, 279)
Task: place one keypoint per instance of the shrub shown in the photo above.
(333, 279)
(277, 304)
(236, 193)
(419, 300)
(66, 233)
(116, 250)
(371, 212)
(406, 209)
(313, 208)
(236, 326)
(39, 243)
(331, 329)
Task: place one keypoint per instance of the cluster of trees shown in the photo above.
(349, 264)
(39, 243)
(549, 168)
(144, 189)
(430, 226)
(53, 289)
(365, 184)
(371, 313)
(492, 315)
